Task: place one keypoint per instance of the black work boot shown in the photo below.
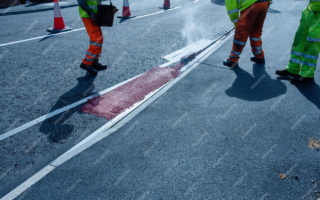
(285, 72)
(300, 79)
(229, 63)
(258, 60)
(98, 66)
(89, 68)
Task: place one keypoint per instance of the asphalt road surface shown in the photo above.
(216, 134)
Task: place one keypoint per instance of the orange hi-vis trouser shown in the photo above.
(250, 23)
(96, 40)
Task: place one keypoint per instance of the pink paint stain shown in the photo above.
(116, 101)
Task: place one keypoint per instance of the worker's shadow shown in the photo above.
(258, 88)
(57, 127)
(218, 2)
(311, 92)
(270, 10)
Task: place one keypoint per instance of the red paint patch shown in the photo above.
(116, 101)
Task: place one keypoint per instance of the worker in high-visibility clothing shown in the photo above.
(250, 23)
(88, 12)
(306, 47)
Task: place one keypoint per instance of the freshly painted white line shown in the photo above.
(156, 13)
(116, 123)
(192, 48)
(40, 37)
(51, 35)
(61, 110)
(28, 183)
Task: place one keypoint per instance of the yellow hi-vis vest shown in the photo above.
(314, 5)
(93, 4)
(234, 6)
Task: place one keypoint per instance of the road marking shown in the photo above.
(186, 51)
(51, 35)
(40, 37)
(61, 110)
(156, 13)
(118, 121)
(28, 183)
(195, 1)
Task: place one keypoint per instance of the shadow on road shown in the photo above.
(218, 2)
(258, 88)
(48, 36)
(273, 11)
(57, 127)
(311, 92)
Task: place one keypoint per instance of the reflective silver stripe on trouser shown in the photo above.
(238, 42)
(310, 56)
(89, 59)
(309, 64)
(255, 39)
(295, 61)
(90, 54)
(296, 53)
(257, 52)
(313, 39)
(234, 21)
(233, 11)
(237, 53)
(257, 48)
(94, 7)
(95, 44)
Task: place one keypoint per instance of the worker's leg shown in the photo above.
(99, 40)
(243, 30)
(96, 40)
(298, 44)
(312, 47)
(255, 35)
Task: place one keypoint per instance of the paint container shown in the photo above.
(106, 14)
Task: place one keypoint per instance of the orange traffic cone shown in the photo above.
(126, 14)
(58, 25)
(166, 5)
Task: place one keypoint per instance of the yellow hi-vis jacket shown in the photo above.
(234, 6)
(314, 5)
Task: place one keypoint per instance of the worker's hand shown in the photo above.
(94, 16)
(235, 24)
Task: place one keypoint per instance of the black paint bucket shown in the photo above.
(106, 14)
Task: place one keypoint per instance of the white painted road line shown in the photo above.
(40, 37)
(28, 183)
(116, 123)
(186, 51)
(61, 110)
(156, 13)
(51, 35)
